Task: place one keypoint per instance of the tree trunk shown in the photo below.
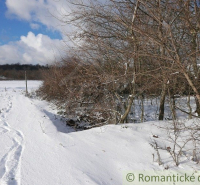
(142, 108)
(172, 104)
(162, 102)
(130, 102)
(197, 106)
(189, 106)
(173, 107)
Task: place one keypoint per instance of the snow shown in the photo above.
(37, 148)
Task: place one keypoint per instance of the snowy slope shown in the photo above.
(37, 148)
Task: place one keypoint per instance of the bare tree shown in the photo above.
(128, 50)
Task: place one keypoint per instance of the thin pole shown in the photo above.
(26, 83)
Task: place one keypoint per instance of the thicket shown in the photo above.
(127, 51)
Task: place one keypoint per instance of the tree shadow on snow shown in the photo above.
(58, 123)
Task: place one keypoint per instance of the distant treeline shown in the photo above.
(17, 71)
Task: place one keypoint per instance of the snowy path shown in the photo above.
(11, 160)
(36, 148)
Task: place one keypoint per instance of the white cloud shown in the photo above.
(34, 26)
(32, 49)
(21, 8)
(41, 11)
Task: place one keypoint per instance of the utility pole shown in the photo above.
(26, 84)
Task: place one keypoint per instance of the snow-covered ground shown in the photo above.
(37, 148)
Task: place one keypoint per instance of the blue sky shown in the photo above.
(12, 29)
(28, 32)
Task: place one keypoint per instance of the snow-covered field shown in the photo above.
(37, 148)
